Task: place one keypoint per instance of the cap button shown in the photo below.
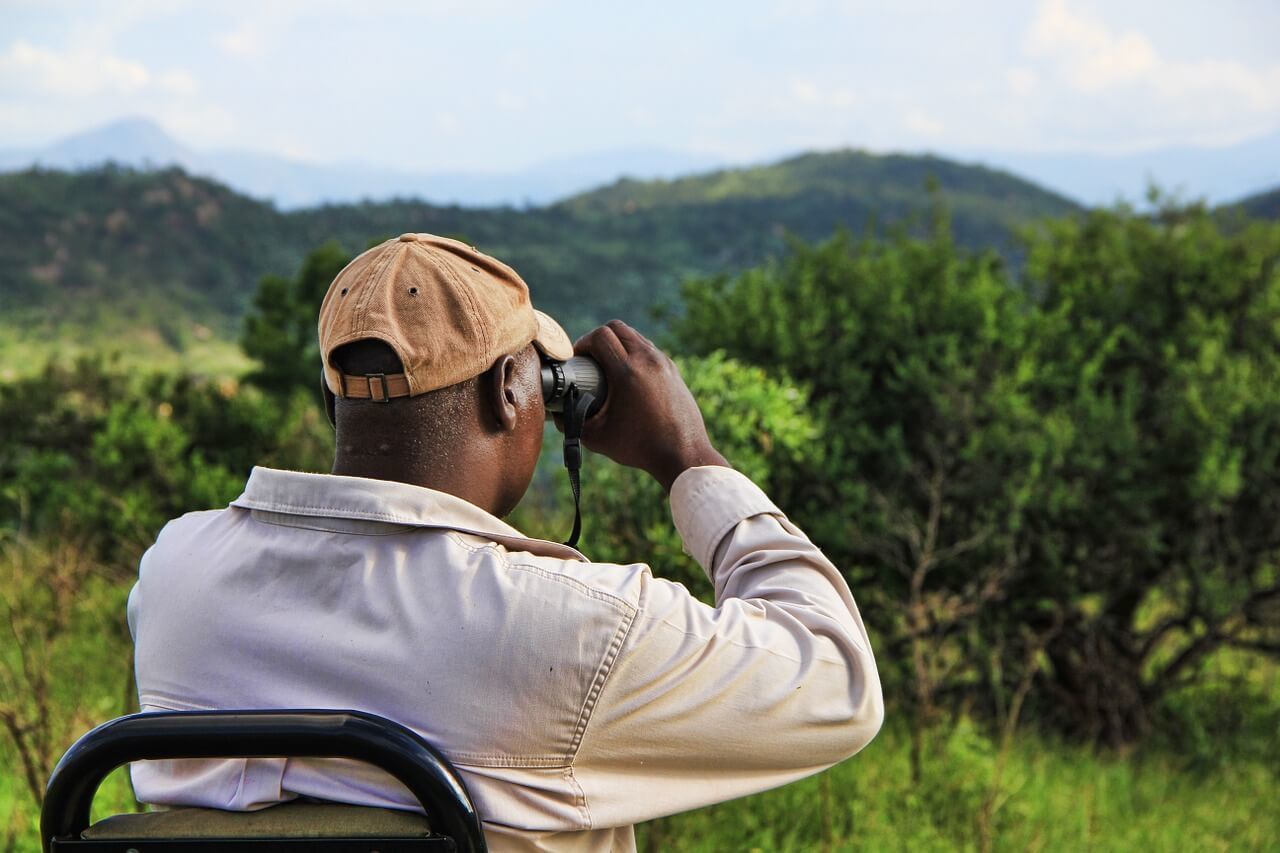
(408, 238)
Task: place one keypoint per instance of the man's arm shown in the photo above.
(775, 682)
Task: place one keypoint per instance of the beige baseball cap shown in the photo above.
(448, 311)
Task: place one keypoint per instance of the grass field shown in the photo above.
(24, 352)
(1054, 797)
(1219, 795)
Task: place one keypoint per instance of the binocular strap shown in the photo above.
(576, 406)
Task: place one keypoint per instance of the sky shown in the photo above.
(502, 84)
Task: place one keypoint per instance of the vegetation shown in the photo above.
(280, 328)
(1065, 485)
(1053, 488)
(1264, 205)
(100, 253)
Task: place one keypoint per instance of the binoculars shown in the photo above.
(580, 373)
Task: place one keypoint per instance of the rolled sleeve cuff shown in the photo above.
(709, 501)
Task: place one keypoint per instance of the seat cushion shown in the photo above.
(287, 820)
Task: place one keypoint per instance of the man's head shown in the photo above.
(431, 369)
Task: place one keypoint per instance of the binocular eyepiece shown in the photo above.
(580, 372)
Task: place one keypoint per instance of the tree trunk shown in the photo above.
(1096, 680)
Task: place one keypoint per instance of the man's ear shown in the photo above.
(502, 392)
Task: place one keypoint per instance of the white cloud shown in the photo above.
(1022, 81)
(641, 117)
(245, 40)
(510, 102)
(917, 121)
(28, 68)
(446, 122)
(192, 120)
(1092, 59)
(812, 94)
(1101, 74)
(177, 83)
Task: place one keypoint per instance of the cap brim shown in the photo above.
(551, 339)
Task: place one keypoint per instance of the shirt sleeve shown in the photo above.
(704, 704)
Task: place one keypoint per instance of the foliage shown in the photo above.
(1057, 796)
(809, 194)
(107, 251)
(1093, 449)
(280, 328)
(64, 668)
(112, 456)
(910, 349)
(1263, 205)
(162, 249)
(52, 595)
(1054, 493)
(1158, 349)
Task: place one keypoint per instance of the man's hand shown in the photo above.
(649, 419)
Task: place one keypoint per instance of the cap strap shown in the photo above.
(378, 387)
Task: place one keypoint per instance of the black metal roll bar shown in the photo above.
(258, 734)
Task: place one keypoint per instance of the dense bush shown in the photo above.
(1067, 480)
(92, 451)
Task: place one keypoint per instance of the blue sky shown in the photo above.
(492, 84)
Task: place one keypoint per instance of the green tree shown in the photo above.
(1158, 341)
(1084, 461)
(280, 328)
(109, 456)
(913, 352)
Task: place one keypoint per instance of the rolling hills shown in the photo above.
(1263, 205)
(164, 262)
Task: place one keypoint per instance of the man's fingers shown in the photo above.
(630, 338)
(603, 345)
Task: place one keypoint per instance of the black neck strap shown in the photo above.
(575, 412)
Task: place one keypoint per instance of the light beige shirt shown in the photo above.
(575, 698)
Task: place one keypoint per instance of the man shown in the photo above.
(575, 698)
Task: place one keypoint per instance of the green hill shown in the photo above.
(887, 186)
(1264, 205)
(163, 262)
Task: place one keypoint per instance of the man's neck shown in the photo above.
(456, 476)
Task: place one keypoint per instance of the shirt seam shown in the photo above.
(640, 611)
(319, 525)
(619, 604)
(580, 797)
(340, 512)
(372, 515)
(598, 683)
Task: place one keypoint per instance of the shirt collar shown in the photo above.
(335, 496)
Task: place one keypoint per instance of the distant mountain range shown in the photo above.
(1264, 205)
(290, 183)
(161, 263)
(1216, 174)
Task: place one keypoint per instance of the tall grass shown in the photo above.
(1053, 796)
(65, 665)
